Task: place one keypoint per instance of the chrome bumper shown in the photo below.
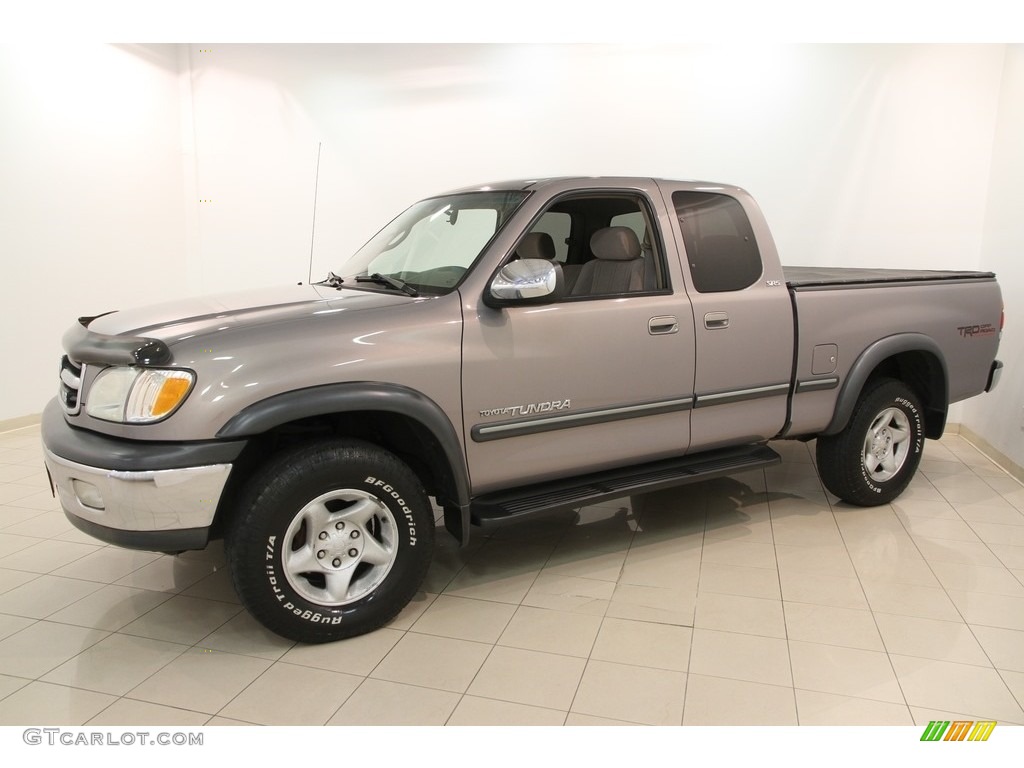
(164, 500)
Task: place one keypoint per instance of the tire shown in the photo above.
(330, 540)
(874, 458)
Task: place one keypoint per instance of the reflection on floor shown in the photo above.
(756, 599)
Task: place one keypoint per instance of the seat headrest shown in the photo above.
(615, 244)
(536, 245)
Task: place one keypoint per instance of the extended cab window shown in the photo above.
(603, 242)
(720, 245)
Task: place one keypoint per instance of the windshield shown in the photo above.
(432, 244)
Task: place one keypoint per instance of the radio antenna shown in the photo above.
(312, 233)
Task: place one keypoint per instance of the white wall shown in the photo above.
(999, 415)
(863, 155)
(859, 155)
(91, 198)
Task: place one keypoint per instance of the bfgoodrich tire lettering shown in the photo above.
(330, 540)
(874, 458)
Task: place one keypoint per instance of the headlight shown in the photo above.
(137, 395)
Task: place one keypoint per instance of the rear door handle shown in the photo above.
(658, 326)
(715, 320)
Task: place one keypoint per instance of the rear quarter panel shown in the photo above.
(961, 317)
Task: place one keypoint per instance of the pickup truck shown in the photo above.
(500, 352)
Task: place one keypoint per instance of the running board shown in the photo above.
(519, 503)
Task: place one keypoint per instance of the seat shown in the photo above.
(617, 266)
(536, 245)
(650, 269)
(540, 245)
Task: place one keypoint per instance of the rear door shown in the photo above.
(743, 319)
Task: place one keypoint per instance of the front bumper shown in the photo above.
(134, 493)
(163, 510)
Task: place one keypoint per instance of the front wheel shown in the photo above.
(330, 540)
(874, 458)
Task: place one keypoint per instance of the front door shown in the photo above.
(602, 378)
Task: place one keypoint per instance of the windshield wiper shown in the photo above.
(332, 281)
(387, 280)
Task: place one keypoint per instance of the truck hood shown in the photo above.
(187, 318)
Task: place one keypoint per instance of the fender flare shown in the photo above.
(348, 397)
(870, 359)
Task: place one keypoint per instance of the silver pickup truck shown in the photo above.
(507, 350)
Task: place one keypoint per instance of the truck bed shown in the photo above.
(810, 278)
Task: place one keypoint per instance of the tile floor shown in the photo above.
(756, 599)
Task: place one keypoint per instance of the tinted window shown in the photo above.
(558, 225)
(719, 241)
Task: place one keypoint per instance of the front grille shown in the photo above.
(70, 384)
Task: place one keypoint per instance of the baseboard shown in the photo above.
(1011, 467)
(21, 422)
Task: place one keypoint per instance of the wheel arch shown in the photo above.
(399, 419)
(914, 359)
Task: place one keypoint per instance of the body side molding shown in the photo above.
(482, 433)
(727, 397)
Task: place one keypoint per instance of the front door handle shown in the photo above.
(658, 326)
(716, 320)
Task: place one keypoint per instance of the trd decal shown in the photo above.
(972, 331)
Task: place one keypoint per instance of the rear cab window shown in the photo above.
(721, 250)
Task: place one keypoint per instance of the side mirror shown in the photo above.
(526, 281)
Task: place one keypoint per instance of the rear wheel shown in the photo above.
(874, 458)
(330, 540)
